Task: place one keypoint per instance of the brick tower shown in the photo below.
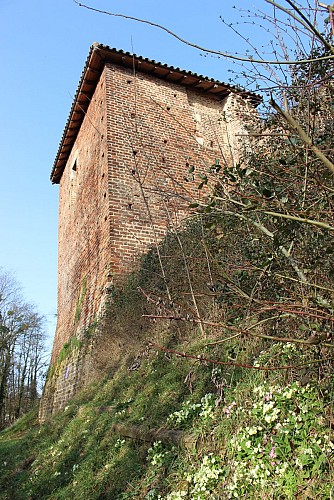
(134, 129)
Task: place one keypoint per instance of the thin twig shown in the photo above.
(240, 365)
(303, 135)
(314, 340)
(298, 219)
(249, 59)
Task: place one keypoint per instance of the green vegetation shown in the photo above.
(267, 433)
(241, 431)
(223, 335)
(73, 344)
(80, 301)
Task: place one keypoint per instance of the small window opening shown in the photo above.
(73, 184)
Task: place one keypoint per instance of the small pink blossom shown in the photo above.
(229, 409)
(268, 396)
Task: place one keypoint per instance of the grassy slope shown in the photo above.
(78, 455)
(255, 434)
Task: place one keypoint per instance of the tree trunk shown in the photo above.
(3, 387)
(167, 436)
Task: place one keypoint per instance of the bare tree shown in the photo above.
(21, 351)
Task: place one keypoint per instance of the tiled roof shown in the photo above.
(99, 55)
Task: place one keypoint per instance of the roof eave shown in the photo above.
(100, 54)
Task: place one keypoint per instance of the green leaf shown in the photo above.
(267, 193)
(246, 202)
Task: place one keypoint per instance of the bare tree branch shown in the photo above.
(241, 365)
(302, 134)
(303, 21)
(235, 57)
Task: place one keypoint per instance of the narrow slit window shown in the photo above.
(73, 184)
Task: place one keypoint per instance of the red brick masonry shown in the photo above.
(122, 186)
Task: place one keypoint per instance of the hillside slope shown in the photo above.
(180, 416)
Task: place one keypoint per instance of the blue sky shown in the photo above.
(43, 48)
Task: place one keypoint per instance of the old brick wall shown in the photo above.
(83, 239)
(123, 186)
(157, 130)
(83, 247)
